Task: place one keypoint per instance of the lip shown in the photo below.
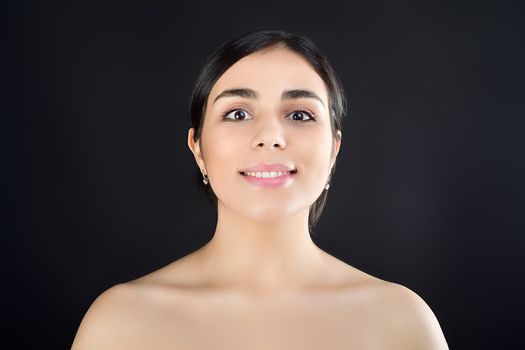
(261, 167)
(269, 182)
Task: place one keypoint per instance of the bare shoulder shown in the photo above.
(109, 320)
(406, 320)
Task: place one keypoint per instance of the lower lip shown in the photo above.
(269, 182)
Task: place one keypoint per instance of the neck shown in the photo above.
(247, 254)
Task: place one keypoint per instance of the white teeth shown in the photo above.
(266, 174)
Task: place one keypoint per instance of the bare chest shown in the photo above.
(228, 322)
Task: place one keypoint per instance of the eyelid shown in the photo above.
(302, 109)
(237, 106)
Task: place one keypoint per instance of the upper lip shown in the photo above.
(264, 167)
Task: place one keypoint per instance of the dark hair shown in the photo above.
(232, 51)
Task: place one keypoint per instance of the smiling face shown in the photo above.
(263, 122)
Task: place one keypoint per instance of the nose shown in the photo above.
(269, 133)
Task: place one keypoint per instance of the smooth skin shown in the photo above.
(261, 282)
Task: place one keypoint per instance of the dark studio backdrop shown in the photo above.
(428, 190)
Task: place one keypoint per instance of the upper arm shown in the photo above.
(102, 325)
(412, 324)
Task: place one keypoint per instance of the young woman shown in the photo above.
(266, 113)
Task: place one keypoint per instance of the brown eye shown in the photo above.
(238, 114)
(300, 116)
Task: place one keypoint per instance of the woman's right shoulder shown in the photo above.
(106, 317)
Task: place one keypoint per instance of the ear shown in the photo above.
(337, 146)
(196, 150)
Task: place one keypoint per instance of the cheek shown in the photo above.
(314, 156)
(222, 155)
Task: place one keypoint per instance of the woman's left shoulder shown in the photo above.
(407, 320)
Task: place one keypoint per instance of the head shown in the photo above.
(230, 132)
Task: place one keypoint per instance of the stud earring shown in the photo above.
(327, 186)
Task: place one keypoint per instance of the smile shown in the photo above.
(271, 178)
(267, 174)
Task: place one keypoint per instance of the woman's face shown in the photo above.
(267, 129)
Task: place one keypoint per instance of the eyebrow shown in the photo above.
(286, 95)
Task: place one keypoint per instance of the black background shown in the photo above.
(428, 190)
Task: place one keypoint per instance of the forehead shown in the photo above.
(270, 72)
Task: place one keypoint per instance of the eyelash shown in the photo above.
(303, 110)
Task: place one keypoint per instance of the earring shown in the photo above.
(327, 186)
(205, 179)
